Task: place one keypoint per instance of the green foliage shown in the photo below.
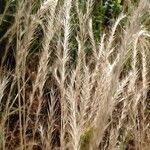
(103, 14)
(85, 139)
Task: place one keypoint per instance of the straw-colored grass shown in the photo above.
(50, 101)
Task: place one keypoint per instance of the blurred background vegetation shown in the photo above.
(104, 11)
(104, 14)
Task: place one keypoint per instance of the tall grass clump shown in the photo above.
(70, 82)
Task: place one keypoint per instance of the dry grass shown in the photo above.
(100, 101)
